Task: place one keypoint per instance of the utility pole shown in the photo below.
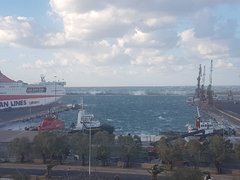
(55, 93)
(90, 150)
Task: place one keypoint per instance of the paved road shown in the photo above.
(106, 173)
(79, 171)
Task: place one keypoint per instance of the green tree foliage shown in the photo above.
(187, 174)
(193, 149)
(43, 145)
(129, 147)
(154, 171)
(79, 143)
(20, 147)
(60, 148)
(219, 150)
(167, 151)
(205, 155)
(102, 142)
(179, 149)
(50, 145)
(237, 151)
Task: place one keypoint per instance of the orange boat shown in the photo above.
(51, 122)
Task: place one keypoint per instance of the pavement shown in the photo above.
(125, 173)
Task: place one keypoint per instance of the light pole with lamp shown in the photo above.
(90, 149)
(55, 87)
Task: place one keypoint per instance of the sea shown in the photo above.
(130, 110)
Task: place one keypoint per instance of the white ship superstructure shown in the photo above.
(16, 94)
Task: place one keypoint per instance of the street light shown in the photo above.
(90, 148)
(55, 88)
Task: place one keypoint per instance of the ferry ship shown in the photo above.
(15, 95)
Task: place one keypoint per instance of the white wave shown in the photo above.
(160, 117)
(109, 120)
(138, 93)
(95, 92)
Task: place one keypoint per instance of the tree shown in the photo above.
(193, 150)
(237, 151)
(60, 148)
(165, 151)
(102, 142)
(129, 147)
(205, 155)
(179, 149)
(44, 145)
(219, 150)
(21, 148)
(79, 144)
(154, 171)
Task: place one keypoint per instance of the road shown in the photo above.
(81, 172)
(75, 171)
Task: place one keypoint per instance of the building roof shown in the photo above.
(5, 79)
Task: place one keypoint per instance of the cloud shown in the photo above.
(222, 64)
(2, 61)
(14, 29)
(124, 38)
(204, 48)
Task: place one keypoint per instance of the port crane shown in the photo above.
(209, 89)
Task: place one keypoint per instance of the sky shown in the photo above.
(120, 42)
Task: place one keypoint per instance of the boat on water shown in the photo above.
(86, 121)
(192, 100)
(205, 127)
(23, 98)
(51, 122)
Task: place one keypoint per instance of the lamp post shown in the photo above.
(90, 150)
(55, 88)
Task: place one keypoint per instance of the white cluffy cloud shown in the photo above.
(14, 29)
(126, 38)
(202, 47)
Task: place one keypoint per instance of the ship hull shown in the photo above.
(19, 100)
(15, 114)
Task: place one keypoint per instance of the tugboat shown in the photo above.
(204, 126)
(86, 121)
(50, 122)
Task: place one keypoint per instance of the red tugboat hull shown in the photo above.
(51, 123)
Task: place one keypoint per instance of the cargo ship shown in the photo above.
(18, 98)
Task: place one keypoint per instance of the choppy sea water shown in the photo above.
(139, 114)
(135, 110)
